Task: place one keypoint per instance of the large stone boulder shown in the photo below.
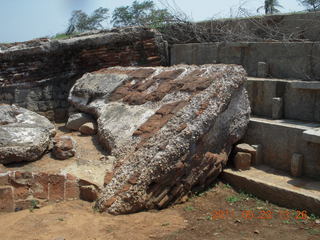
(170, 129)
(24, 135)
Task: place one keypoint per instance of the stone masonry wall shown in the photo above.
(39, 75)
(289, 60)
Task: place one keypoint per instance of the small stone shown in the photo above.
(243, 147)
(76, 120)
(88, 193)
(242, 161)
(296, 164)
(256, 231)
(258, 158)
(317, 221)
(262, 70)
(64, 147)
(88, 129)
(277, 108)
(60, 238)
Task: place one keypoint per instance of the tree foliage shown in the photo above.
(80, 21)
(311, 5)
(270, 6)
(140, 14)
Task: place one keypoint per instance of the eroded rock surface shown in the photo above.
(24, 135)
(170, 129)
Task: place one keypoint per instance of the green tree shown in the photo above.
(80, 21)
(140, 14)
(270, 6)
(311, 5)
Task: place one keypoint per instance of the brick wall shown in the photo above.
(38, 76)
(20, 190)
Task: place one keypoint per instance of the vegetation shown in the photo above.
(311, 5)
(176, 26)
(34, 204)
(270, 6)
(80, 21)
(140, 14)
(59, 36)
(189, 208)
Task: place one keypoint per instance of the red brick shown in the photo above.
(4, 180)
(20, 192)
(6, 196)
(125, 188)
(40, 186)
(72, 190)
(83, 182)
(108, 177)
(109, 202)
(242, 161)
(71, 177)
(23, 204)
(22, 178)
(56, 187)
(88, 193)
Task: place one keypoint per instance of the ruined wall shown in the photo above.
(22, 190)
(291, 60)
(302, 26)
(280, 27)
(38, 75)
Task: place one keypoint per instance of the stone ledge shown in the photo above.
(312, 135)
(310, 85)
(288, 123)
(277, 187)
(280, 140)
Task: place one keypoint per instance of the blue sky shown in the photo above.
(22, 20)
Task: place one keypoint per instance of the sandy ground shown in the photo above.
(77, 220)
(195, 219)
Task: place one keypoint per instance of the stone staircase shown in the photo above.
(285, 124)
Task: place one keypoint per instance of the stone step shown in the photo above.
(288, 99)
(277, 187)
(312, 135)
(282, 141)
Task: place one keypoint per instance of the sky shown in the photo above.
(22, 20)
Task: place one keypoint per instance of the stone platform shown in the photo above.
(277, 187)
(281, 139)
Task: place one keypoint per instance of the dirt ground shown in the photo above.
(219, 213)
